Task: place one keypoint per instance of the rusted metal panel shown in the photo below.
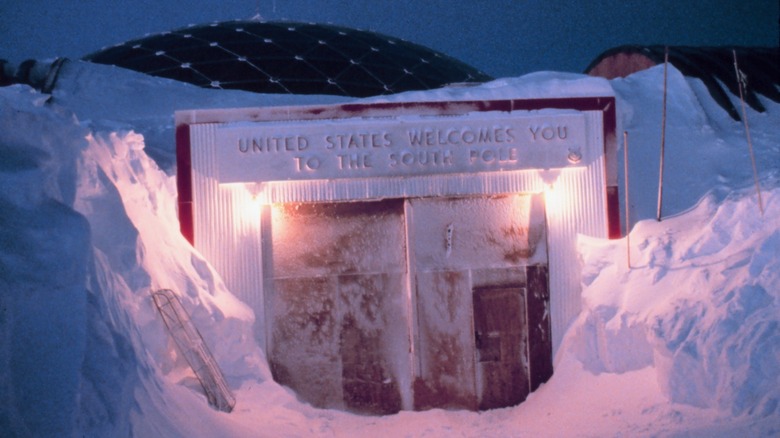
(339, 276)
(312, 239)
(370, 311)
(446, 344)
(305, 352)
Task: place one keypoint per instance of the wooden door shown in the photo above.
(501, 339)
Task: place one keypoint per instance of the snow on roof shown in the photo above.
(712, 65)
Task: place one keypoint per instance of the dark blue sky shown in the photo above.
(500, 37)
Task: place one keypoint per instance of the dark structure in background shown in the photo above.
(712, 65)
(289, 58)
(6, 73)
(41, 75)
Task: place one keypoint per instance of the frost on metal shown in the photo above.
(401, 256)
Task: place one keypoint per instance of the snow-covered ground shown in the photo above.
(683, 342)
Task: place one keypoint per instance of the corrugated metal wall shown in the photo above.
(227, 229)
(226, 224)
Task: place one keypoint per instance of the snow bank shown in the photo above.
(43, 263)
(88, 228)
(699, 303)
(705, 149)
(110, 98)
(130, 205)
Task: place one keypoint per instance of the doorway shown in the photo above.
(378, 306)
(501, 336)
(335, 275)
(459, 248)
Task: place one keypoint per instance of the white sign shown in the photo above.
(400, 146)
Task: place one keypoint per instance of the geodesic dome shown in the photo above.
(289, 57)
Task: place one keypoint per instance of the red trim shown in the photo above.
(613, 212)
(604, 104)
(184, 182)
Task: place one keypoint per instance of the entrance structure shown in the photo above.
(402, 255)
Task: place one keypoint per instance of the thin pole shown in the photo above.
(663, 140)
(740, 84)
(628, 220)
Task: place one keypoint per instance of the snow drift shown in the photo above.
(698, 304)
(684, 341)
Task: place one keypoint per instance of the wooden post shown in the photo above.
(628, 220)
(663, 140)
(741, 83)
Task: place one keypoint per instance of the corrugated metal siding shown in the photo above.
(230, 239)
(580, 208)
(225, 232)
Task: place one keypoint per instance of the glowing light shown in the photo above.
(279, 221)
(554, 199)
(250, 204)
(251, 209)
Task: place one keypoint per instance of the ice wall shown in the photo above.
(88, 230)
(44, 260)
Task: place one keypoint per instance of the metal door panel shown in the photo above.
(501, 334)
(337, 303)
(459, 246)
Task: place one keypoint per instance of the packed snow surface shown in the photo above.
(679, 332)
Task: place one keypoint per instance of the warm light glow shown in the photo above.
(252, 208)
(251, 205)
(281, 221)
(554, 199)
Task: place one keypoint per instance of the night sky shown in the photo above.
(500, 37)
